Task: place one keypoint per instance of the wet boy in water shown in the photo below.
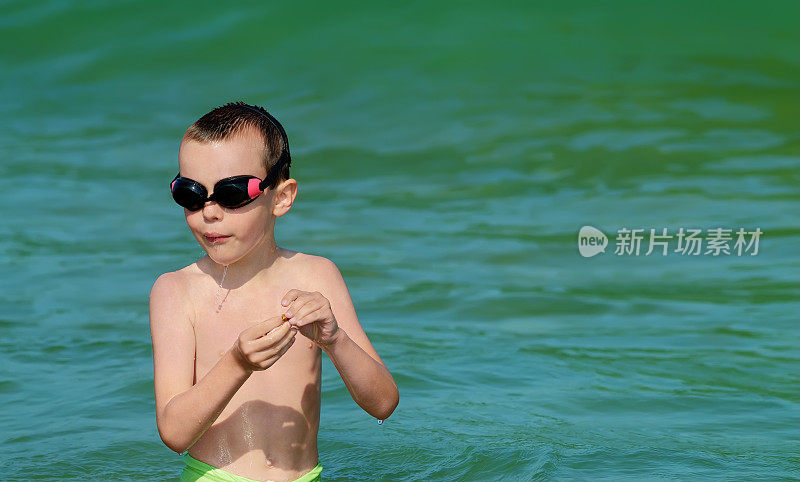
(237, 335)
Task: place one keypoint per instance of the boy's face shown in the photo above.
(246, 226)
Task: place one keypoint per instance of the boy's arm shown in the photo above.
(364, 374)
(184, 412)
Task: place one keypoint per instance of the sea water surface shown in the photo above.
(446, 155)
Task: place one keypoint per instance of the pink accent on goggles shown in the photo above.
(252, 188)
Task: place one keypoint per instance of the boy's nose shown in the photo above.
(212, 210)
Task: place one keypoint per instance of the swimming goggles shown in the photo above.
(231, 192)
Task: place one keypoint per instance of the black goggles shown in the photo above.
(231, 192)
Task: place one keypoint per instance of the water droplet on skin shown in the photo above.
(223, 451)
(247, 428)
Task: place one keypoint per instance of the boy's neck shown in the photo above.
(258, 264)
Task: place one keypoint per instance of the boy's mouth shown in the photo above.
(215, 237)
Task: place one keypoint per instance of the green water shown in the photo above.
(447, 156)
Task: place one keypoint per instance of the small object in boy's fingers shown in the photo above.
(283, 317)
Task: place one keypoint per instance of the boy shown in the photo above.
(231, 385)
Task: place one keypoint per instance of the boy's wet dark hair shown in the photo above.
(234, 117)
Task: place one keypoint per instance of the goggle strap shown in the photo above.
(271, 175)
(276, 125)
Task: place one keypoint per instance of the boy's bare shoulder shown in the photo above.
(175, 289)
(176, 285)
(296, 256)
(179, 278)
(307, 265)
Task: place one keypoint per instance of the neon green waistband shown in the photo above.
(196, 470)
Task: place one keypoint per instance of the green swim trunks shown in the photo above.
(195, 470)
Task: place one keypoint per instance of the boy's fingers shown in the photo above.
(271, 359)
(297, 307)
(308, 314)
(277, 332)
(267, 358)
(274, 340)
(263, 327)
(290, 296)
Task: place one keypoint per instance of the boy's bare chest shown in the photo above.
(218, 323)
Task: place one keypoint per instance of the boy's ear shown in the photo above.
(285, 193)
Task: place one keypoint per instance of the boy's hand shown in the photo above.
(311, 313)
(262, 344)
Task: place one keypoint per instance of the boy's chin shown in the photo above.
(219, 258)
